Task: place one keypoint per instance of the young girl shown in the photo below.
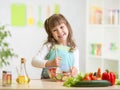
(60, 49)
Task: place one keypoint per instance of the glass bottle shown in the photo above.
(23, 77)
(111, 16)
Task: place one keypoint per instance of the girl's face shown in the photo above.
(60, 33)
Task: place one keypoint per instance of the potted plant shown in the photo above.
(5, 51)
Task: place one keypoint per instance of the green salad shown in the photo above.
(73, 80)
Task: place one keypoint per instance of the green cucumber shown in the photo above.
(54, 78)
(92, 83)
(59, 76)
(64, 78)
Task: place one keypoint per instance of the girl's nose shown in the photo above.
(59, 31)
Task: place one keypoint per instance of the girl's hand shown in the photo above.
(73, 71)
(54, 63)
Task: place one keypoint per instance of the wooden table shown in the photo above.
(50, 85)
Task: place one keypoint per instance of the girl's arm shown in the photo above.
(75, 68)
(77, 59)
(39, 59)
(74, 71)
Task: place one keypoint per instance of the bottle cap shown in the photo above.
(22, 60)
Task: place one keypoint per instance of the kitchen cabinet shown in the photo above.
(103, 35)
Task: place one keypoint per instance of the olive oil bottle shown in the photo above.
(23, 77)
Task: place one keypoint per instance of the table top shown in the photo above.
(50, 85)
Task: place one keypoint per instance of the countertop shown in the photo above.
(50, 85)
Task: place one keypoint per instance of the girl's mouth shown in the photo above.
(61, 36)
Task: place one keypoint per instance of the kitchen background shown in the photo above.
(95, 24)
(25, 19)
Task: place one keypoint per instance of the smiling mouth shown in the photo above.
(61, 36)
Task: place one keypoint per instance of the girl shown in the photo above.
(60, 49)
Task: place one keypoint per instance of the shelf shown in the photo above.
(95, 57)
(103, 27)
(104, 58)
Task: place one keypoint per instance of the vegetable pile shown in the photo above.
(107, 77)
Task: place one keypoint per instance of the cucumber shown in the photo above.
(64, 78)
(59, 76)
(54, 78)
(92, 83)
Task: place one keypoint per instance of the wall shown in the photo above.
(26, 40)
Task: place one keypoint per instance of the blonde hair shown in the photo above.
(54, 20)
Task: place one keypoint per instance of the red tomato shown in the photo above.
(53, 74)
(87, 77)
(53, 70)
(96, 78)
(90, 74)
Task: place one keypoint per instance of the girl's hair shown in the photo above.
(53, 21)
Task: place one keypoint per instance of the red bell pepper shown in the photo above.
(110, 76)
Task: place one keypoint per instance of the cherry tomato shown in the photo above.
(87, 77)
(96, 78)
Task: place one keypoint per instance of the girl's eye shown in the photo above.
(61, 27)
(54, 30)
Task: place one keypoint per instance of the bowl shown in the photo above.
(57, 75)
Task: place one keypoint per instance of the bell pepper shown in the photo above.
(110, 76)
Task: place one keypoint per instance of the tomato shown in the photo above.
(90, 74)
(53, 74)
(87, 77)
(110, 76)
(53, 70)
(96, 78)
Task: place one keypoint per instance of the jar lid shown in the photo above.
(22, 60)
(4, 71)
